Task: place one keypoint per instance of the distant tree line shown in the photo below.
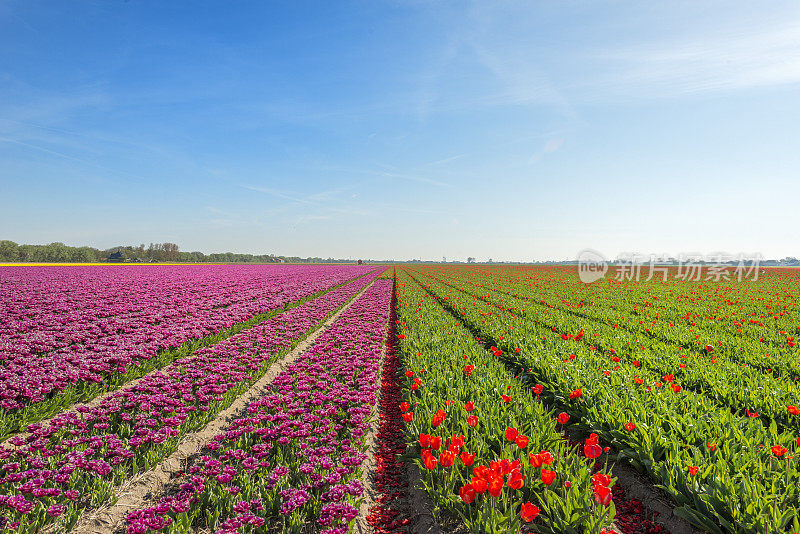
(11, 252)
(156, 252)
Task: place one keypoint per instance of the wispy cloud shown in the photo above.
(552, 145)
(82, 161)
(445, 160)
(761, 55)
(275, 193)
(414, 178)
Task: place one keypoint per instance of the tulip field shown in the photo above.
(694, 384)
(415, 398)
(213, 332)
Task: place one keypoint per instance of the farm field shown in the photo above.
(430, 398)
(693, 384)
(386, 267)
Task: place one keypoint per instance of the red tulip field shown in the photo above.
(692, 384)
(415, 398)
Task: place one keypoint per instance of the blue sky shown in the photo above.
(505, 130)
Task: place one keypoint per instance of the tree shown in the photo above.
(470, 260)
(9, 251)
(170, 251)
(56, 252)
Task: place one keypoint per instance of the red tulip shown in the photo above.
(563, 418)
(601, 479)
(467, 459)
(430, 461)
(602, 495)
(528, 512)
(436, 442)
(447, 458)
(424, 440)
(575, 394)
(777, 450)
(495, 486)
(469, 406)
(522, 441)
(516, 480)
(630, 426)
(467, 493)
(592, 450)
(408, 417)
(480, 484)
(404, 406)
(468, 370)
(793, 410)
(438, 418)
(511, 433)
(472, 420)
(548, 476)
(506, 398)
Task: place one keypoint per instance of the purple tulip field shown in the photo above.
(195, 339)
(69, 333)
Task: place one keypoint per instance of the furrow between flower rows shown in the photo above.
(390, 477)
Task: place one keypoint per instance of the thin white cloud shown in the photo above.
(414, 178)
(445, 160)
(759, 56)
(275, 193)
(553, 144)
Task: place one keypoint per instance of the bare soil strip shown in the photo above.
(640, 487)
(136, 492)
(369, 467)
(420, 504)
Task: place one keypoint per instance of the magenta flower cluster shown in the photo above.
(85, 451)
(64, 325)
(294, 459)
